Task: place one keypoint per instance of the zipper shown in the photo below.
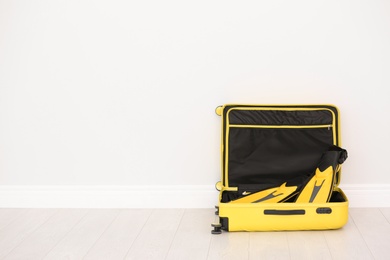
(328, 126)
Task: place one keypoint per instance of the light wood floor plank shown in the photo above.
(229, 246)
(269, 245)
(308, 245)
(156, 236)
(120, 235)
(13, 234)
(375, 229)
(82, 237)
(192, 239)
(44, 238)
(347, 243)
(386, 213)
(9, 215)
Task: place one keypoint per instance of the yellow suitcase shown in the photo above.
(281, 168)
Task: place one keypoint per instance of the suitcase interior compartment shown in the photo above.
(264, 155)
(265, 148)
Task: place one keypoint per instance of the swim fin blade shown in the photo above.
(319, 188)
(272, 195)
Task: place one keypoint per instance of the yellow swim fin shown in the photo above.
(272, 195)
(320, 186)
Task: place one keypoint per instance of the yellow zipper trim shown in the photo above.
(281, 126)
(225, 174)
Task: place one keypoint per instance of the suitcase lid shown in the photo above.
(265, 145)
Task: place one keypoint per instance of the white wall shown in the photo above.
(123, 92)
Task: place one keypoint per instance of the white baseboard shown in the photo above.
(193, 196)
(108, 196)
(366, 196)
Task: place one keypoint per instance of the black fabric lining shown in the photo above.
(272, 156)
(228, 107)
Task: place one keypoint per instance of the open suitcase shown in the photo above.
(281, 167)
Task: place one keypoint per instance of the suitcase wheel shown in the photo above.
(217, 228)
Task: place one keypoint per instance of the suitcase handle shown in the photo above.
(284, 212)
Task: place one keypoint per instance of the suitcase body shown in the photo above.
(264, 146)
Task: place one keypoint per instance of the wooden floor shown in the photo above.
(179, 234)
